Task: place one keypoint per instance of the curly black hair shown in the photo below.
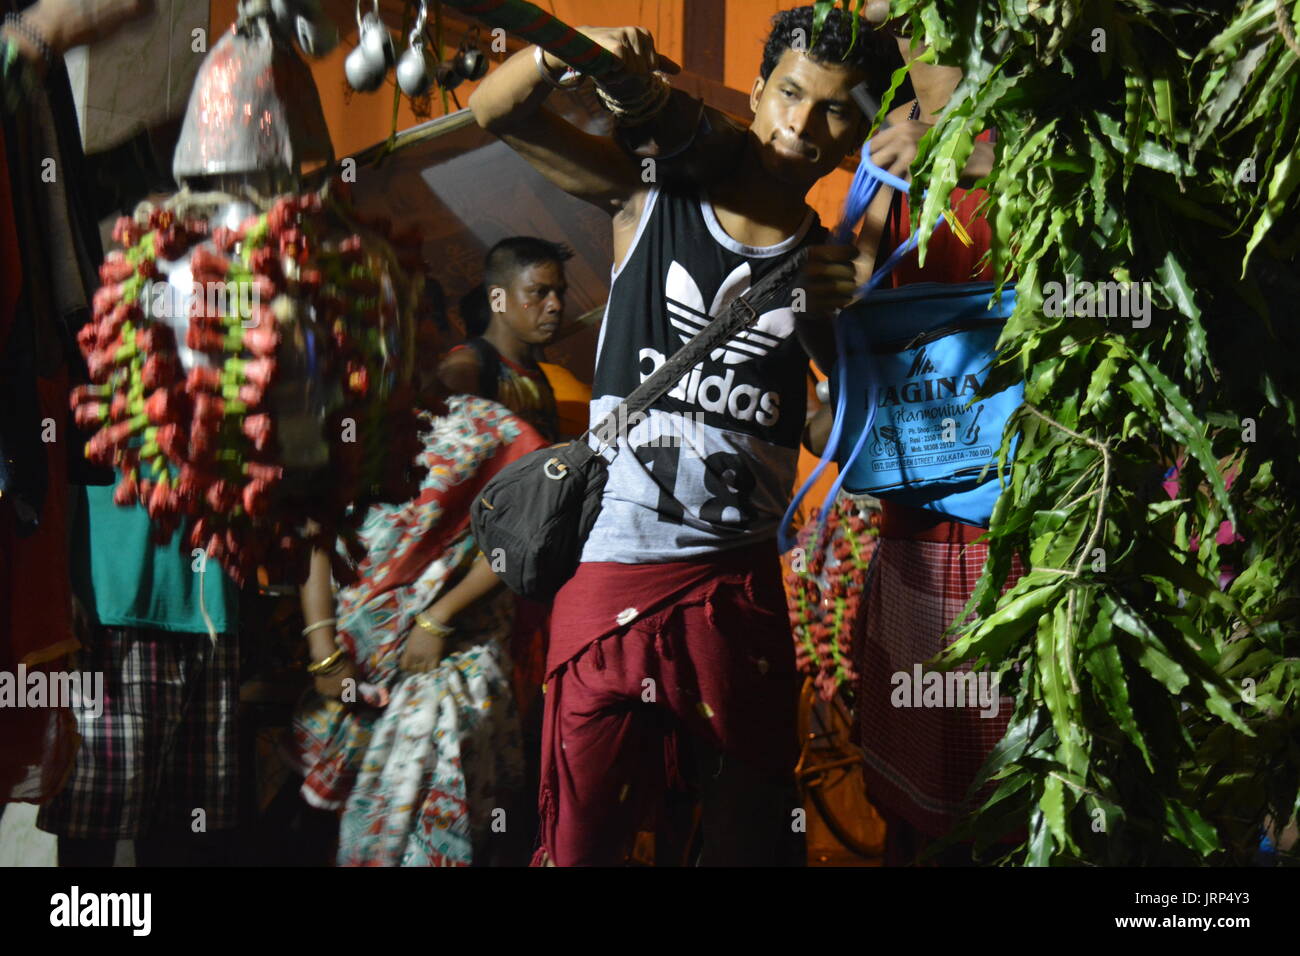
(874, 54)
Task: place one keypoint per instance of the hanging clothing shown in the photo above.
(49, 251)
(421, 760)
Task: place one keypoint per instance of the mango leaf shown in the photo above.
(1053, 806)
(1179, 420)
(1189, 828)
(1054, 653)
(1017, 614)
(1229, 93)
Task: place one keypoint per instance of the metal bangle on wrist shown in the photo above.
(328, 665)
(433, 627)
(652, 99)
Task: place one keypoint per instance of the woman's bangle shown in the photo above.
(433, 627)
(568, 79)
(327, 622)
(328, 665)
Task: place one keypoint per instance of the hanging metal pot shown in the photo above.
(366, 66)
(415, 70)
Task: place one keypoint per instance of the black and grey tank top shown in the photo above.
(710, 466)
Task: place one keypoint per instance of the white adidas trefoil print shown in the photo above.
(686, 312)
(722, 394)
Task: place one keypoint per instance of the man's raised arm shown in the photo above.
(508, 103)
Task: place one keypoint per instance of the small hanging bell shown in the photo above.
(362, 75)
(470, 63)
(367, 64)
(377, 43)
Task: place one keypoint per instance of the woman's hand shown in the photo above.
(340, 684)
(424, 651)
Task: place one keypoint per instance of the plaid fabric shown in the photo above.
(920, 760)
(165, 743)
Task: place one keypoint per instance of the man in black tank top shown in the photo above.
(523, 304)
(672, 638)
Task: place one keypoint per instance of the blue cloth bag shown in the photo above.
(913, 360)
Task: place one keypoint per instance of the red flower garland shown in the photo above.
(203, 444)
(825, 596)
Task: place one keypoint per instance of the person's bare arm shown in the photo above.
(817, 431)
(317, 600)
(459, 372)
(508, 103)
(424, 649)
(64, 24)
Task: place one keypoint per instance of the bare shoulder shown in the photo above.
(459, 370)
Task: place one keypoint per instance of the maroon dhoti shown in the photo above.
(640, 654)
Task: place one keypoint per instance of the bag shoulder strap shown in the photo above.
(741, 313)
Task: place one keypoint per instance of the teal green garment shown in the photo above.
(124, 580)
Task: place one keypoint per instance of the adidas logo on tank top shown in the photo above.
(712, 465)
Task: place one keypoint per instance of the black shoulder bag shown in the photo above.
(536, 514)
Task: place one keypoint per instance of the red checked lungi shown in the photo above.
(920, 761)
(649, 665)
